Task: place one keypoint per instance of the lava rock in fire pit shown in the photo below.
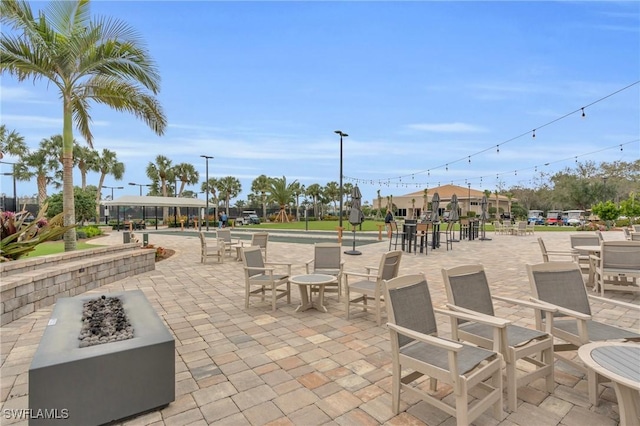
(104, 321)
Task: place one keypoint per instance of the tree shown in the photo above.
(314, 191)
(332, 192)
(101, 60)
(606, 211)
(630, 207)
(160, 173)
(259, 186)
(229, 187)
(38, 164)
(107, 164)
(298, 189)
(87, 161)
(281, 193)
(11, 143)
(187, 175)
(85, 202)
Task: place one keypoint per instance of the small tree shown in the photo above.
(630, 207)
(608, 212)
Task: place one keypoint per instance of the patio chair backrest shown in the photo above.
(467, 287)
(327, 256)
(259, 239)
(635, 236)
(252, 257)
(389, 265)
(203, 241)
(561, 284)
(636, 228)
(621, 255)
(584, 240)
(225, 234)
(409, 305)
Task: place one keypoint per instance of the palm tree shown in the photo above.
(314, 191)
(298, 189)
(87, 161)
(101, 60)
(161, 173)
(211, 185)
(187, 175)
(282, 194)
(332, 192)
(425, 200)
(379, 212)
(107, 164)
(40, 165)
(259, 186)
(11, 143)
(229, 187)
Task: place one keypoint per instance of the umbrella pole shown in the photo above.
(484, 232)
(353, 251)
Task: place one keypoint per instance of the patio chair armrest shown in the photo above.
(371, 268)
(528, 304)
(615, 302)
(425, 338)
(565, 311)
(255, 268)
(358, 274)
(469, 315)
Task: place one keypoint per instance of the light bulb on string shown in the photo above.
(498, 149)
(583, 114)
(447, 167)
(469, 159)
(534, 133)
(621, 147)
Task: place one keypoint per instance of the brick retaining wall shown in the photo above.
(30, 284)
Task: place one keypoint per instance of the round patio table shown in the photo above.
(305, 283)
(619, 362)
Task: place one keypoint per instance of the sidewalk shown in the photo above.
(240, 366)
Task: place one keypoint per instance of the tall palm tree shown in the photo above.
(87, 161)
(298, 189)
(161, 172)
(282, 193)
(314, 191)
(107, 164)
(11, 143)
(260, 185)
(40, 165)
(229, 187)
(332, 192)
(212, 186)
(101, 60)
(379, 212)
(187, 175)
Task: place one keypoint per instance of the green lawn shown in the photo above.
(54, 247)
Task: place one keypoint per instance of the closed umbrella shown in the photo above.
(356, 217)
(453, 215)
(484, 216)
(435, 218)
(435, 205)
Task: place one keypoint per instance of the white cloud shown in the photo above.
(20, 94)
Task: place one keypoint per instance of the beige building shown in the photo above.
(412, 205)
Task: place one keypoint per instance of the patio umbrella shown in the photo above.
(356, 217)
(435, 205)
(454, 216)
(484, 216)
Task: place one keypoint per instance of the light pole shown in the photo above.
(106, 219)
(342, 134)
(140, 185)
(207, 157)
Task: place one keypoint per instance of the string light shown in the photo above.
(498, 149)
(534, 133)
(583, 114)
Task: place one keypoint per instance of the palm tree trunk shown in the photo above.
(68, 200)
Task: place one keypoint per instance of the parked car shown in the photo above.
(248, 218)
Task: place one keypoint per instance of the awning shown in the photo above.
(136, 200)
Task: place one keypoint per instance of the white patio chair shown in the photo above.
(327, 260)
(261, 274)
(617, 267)
(468, 291)
(417, 350)
(211, 247)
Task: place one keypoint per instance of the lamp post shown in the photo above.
(469, 195)
(342, 134)
(140, 185)
(106, 219)
(207, 157)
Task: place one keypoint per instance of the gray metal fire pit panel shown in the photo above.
(103, 383)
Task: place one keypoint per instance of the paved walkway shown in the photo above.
(240, 366)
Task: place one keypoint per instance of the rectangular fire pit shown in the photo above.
(102, 383)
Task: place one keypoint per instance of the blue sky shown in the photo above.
(420, 87)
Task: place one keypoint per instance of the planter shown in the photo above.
(104, 383)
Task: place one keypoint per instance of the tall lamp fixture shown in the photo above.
(207, 157)
(140, 185)
(15, 200)
(342, 134)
